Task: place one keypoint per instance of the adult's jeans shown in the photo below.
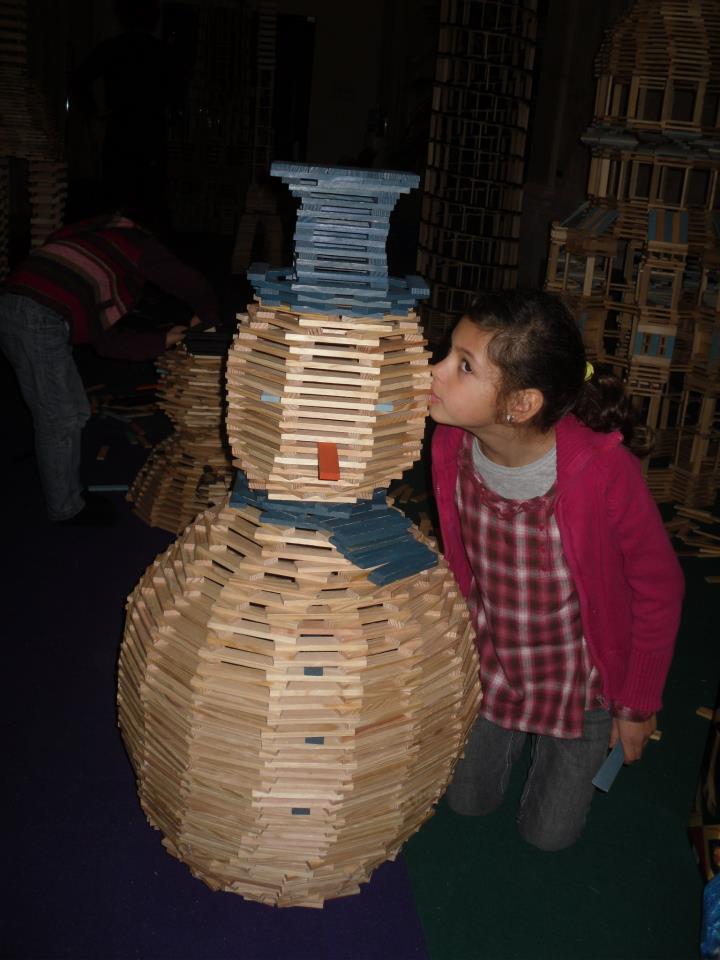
(558, 790)
(36, 342)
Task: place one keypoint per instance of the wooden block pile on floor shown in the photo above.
(191, 468)
(639, 262)
(697, 530)
(298, 674)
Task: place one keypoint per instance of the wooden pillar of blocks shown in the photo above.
(472, 193)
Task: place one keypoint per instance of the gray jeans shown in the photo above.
(558, 791)
(36, 342)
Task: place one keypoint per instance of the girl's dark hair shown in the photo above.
(535, 343)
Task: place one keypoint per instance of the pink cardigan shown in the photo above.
(626, 574)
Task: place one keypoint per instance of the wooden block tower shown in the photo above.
(298, 673)
(638, 262)
(472, 196)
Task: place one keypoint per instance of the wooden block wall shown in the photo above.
(652, 220)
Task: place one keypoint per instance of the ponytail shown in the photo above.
(603, 406)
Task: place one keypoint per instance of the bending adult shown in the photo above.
(74, 290)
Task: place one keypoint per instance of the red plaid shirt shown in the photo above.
(535, 667)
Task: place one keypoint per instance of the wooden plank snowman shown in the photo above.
(298, 674)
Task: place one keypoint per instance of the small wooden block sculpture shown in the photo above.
(191, 468)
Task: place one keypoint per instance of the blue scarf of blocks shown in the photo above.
(369, 533)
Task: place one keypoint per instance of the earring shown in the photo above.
(508, 418)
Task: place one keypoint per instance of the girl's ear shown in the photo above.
(524, 404)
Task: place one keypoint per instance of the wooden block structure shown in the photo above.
(27, 133)
(346, 363)
(298, 673)
(638, 262)
(472, 193)
(191, 468)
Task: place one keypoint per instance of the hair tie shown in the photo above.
(589, 370)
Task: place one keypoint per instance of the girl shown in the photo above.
(571, 581)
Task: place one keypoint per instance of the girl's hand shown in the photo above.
(632, 735)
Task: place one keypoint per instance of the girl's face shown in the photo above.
(465, 384)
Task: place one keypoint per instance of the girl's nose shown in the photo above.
(437, 369)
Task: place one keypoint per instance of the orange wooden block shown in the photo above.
(328, 463)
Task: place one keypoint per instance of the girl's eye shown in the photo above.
(465, 366)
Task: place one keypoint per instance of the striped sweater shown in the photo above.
(92, 273)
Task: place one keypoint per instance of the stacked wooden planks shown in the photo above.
(297, 379)
(291, 722)
(187, 470)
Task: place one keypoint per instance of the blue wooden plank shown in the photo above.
(684, 220)
(345, 231)
(357, 539)
(341, 235)
(610, 768)
(668, 226)
(392, 572)
(652, 224)
(328, 174)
